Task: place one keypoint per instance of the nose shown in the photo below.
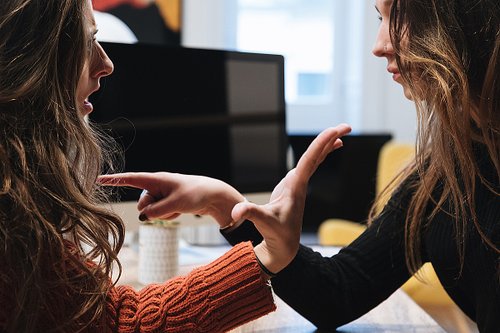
(383, 46)
(103, 66)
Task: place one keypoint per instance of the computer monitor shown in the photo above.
(197, 111)
(344, 184)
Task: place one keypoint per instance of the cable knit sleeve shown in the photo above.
(214, 298)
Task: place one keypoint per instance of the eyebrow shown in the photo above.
(93, 23)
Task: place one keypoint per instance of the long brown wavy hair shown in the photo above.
(448, 52)
(50, 159)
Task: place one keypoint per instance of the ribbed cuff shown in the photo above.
(239, 292)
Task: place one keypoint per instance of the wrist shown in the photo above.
(231, 225)
(222, 214)
(269, 264)
(267, 273)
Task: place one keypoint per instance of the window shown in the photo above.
(321, 41)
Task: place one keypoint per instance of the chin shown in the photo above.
(407, 93)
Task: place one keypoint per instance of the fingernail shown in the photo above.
(143, 217)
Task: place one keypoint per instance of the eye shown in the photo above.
(379, 16)
(92, 41)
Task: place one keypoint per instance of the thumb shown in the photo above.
(250, 211)
(145, 200)
(163, 209)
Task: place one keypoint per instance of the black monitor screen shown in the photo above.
(208, 112)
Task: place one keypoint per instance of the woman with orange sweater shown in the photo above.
(50, 204)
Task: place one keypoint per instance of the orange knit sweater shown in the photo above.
(214, 298)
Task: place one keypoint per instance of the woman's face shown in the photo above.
(96, 66)
(383, 46)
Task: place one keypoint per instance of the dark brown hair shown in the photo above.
(448, 52)
(49, 161)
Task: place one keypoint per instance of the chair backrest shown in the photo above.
(393, 157)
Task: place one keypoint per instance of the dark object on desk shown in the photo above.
(197, 111)
(344, 184)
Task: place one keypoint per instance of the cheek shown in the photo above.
(83, 81)
(82, 91)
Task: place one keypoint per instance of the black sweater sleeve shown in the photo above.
(332, 291)
(246, 231)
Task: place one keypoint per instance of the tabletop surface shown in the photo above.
(399, 313)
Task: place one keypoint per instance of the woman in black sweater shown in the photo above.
(445, 208)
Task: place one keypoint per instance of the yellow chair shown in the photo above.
(393, 157)
(426, 290)
(338, 232)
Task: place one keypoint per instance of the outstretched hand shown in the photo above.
(280, 220)
(168, 195)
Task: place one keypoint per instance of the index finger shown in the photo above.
(141, 180)
(320, 147)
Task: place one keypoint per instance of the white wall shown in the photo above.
(384, 107)
(204, 23)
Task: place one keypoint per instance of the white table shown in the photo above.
(398, 313)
